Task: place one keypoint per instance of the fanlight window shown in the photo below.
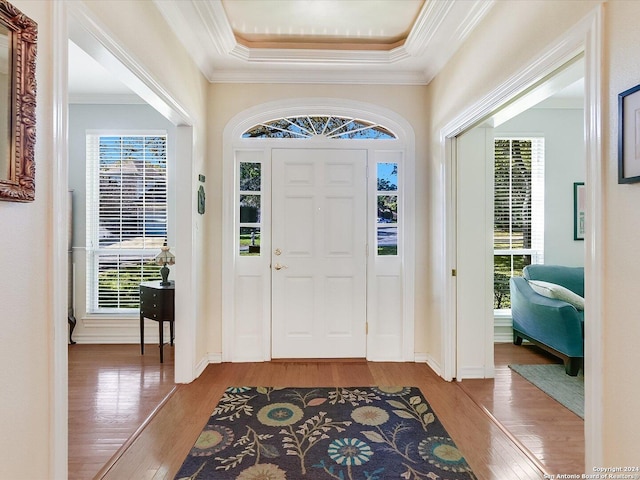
(321, 126)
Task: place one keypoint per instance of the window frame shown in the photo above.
(396, 224)
(537, 209)
(94, 250)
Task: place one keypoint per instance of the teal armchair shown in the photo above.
(553, 324)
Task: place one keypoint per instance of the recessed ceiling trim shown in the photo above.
(204, 29)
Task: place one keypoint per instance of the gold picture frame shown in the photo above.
(17, 155)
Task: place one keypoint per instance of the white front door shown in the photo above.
(318, 257)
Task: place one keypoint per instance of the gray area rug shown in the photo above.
(552, 380)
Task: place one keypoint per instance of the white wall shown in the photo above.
(119, 118)
(621, 279)
(26, 293)
(563, 131)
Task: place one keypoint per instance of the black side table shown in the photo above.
(157, 303)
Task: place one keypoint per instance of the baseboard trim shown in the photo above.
(435, 365)
(471, 372)
(503, 337)
(97, 339)
(202, 364)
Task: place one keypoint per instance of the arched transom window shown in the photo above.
(307, 126)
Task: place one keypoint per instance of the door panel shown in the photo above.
(319, 253)
(474, 256)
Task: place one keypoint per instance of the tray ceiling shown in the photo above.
(322, 41)
(327, 24)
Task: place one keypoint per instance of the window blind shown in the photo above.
(518, 210)
(126, 216)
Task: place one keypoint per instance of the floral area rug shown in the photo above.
(359, 433)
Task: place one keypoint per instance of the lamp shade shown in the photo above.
(165, 257)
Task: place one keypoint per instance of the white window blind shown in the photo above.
(126, 217)
(518, 211)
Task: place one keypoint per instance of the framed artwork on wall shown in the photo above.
(201, 196)
(629, 135)
(18, 45)
(579, 204)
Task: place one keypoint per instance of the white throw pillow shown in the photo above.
(553, 290)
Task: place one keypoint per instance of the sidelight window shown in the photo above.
(387, 217)
(250, 208)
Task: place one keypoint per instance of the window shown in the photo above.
(249, 198)
(307, 126)
(126, 217)
(250, 208)
(518, 238)
(387, 220)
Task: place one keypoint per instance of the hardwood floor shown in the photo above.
(469, 410)
(551, 432)
(112, 392)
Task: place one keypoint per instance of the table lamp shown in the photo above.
(164, 258)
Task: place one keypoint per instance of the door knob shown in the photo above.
(277, 266)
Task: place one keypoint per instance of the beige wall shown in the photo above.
(226, 101)
(621, 329)
(513, 34)
(26, 292)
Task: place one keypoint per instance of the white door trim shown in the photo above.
(585, 37)
(58, 383)
(232, 141)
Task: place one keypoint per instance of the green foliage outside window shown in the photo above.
(503, 270)
(512, 213)
(120, 287)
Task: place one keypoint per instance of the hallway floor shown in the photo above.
(517, 431)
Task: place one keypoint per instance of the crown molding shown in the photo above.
(427, 26)
(313, 56)
(334, 77)
(215, 20)
(476, 13)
